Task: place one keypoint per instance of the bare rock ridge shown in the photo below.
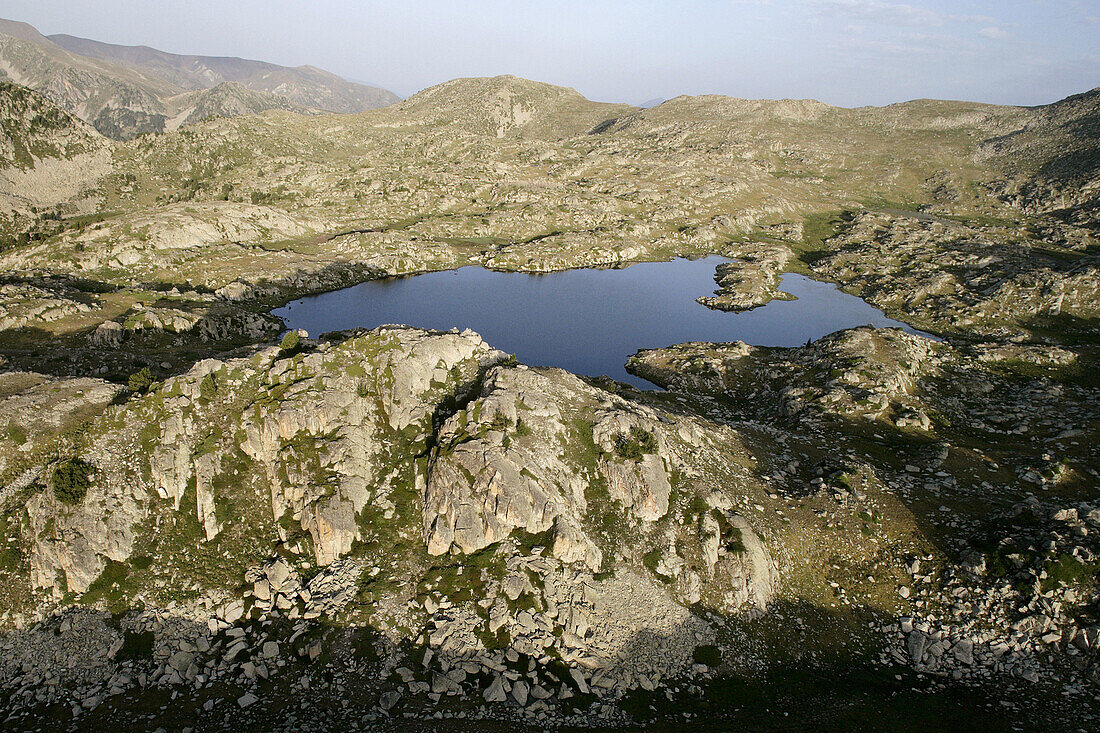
(127, 91)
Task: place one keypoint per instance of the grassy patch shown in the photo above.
(290, 342)
(111, 586)
(1068, 570)
(16, 434)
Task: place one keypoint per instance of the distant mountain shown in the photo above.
(652, 102)
(306, 86)
(104, 95)
(125, 91)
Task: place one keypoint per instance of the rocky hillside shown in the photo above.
(35, 130)
(123, 100)
(47, 156)
(1054, 158)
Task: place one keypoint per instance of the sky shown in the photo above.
(843, 52)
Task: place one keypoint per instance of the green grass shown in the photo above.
(1018, 369)
(819, 227)
(1068, 570)
(16, 434)
(208, 388)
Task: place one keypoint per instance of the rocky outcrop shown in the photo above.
(959, 279)
(750, 280)
(36, 408)
(329, 436)
(488, 477)
(865, 372)
(543, 452)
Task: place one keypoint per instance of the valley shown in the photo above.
(407, 524)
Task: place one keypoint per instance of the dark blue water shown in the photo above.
(586, 321)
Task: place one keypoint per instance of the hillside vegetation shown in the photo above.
(286, 530)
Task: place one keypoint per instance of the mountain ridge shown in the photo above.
(206, 72)
(504, 106)
(126, 91)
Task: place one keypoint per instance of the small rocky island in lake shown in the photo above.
(209, 520)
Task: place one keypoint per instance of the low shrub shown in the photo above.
(632, 447)
(141, 380)
(290, 341)
(71, 479)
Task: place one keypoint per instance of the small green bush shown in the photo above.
(651, 559)
(141, 380)
(632, 447)
(208, 388)
(290, 341)
(735, 541)
(500, 422)
(71, 480)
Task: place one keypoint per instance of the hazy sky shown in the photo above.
(846, 52)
